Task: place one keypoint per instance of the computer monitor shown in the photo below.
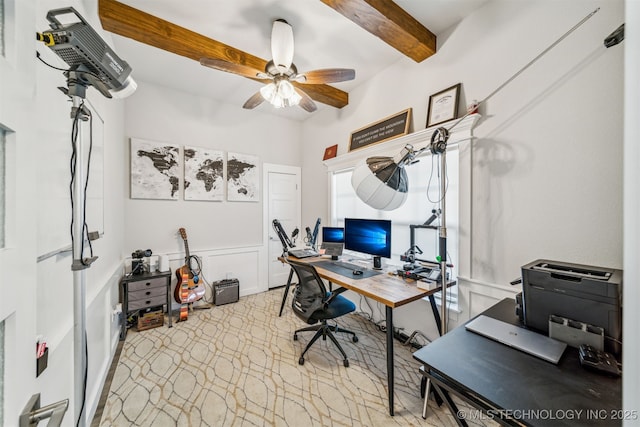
(369, 236)
(332, 235)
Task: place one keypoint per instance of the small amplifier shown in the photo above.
(226, 291)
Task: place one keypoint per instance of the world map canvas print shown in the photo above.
(242, 178)
(155, 170)
(203, 174)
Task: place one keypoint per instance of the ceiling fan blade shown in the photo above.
(255, 100)
(328, 75)
(230, 67)
(306, 102)
(282, 45)
(135, 24)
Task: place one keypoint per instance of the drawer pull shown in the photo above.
(148, 284)
(147, 302)
(148, 293)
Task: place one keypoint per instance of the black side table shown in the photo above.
(145, 290)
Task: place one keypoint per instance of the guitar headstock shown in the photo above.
(183, 233)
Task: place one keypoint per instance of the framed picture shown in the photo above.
(330, 152)
(381, 131)
(155, 170)
(443, 106)
(243, 179)
(203, 174)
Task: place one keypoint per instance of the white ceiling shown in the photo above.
(323, 39)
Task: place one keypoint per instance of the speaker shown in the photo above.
(377, 262)
(226, 291)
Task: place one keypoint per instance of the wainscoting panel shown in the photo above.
(475, 296)
(243, 266)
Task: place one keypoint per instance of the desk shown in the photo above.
(516, 387)
(391, 291)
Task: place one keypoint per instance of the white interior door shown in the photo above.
(283, 203)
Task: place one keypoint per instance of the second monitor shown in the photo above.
(369, 236)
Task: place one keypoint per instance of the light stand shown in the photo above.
(439, 147)
(79, 265)
(92, 63)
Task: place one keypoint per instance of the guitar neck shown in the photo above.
(186, 253)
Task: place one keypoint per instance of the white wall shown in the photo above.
(546, 178)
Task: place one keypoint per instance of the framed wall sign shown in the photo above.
(443, 106)
(389, 128)
(330, 152)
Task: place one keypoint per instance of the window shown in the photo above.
(423, 197)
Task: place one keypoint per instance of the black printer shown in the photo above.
(583, 293)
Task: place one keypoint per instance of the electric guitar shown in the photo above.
(194, 291)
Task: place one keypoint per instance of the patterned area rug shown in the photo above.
(237, 365)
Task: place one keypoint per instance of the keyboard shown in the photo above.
(303, 253)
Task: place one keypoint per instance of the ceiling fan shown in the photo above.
(280, 73)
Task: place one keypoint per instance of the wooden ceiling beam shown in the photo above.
(135, 24)
(391, 23)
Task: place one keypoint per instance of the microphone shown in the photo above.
(309, 236)
(295, 233)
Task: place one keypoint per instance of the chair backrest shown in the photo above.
(310, 293)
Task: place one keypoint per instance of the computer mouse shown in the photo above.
(357, 272)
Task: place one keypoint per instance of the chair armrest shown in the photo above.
(332, 296)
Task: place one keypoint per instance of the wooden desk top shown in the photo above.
(387, 289)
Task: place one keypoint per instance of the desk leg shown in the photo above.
(426, 397)
(436, 313)
(444, 394)
(286, 291)
(389, 312)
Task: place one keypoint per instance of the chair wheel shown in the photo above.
(301, 361)
(354, 339)
(295, 337)
(346, 363)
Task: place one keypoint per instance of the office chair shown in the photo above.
(312, 303)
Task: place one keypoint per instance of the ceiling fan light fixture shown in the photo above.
(280, 94)
(282, 45)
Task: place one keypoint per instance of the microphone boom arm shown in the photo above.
(282, 235)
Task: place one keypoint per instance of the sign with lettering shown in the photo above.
(384, 130)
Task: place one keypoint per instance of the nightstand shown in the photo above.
(142, 291)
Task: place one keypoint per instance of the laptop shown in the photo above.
(519, 338)
(332, 241)
(302, 253)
